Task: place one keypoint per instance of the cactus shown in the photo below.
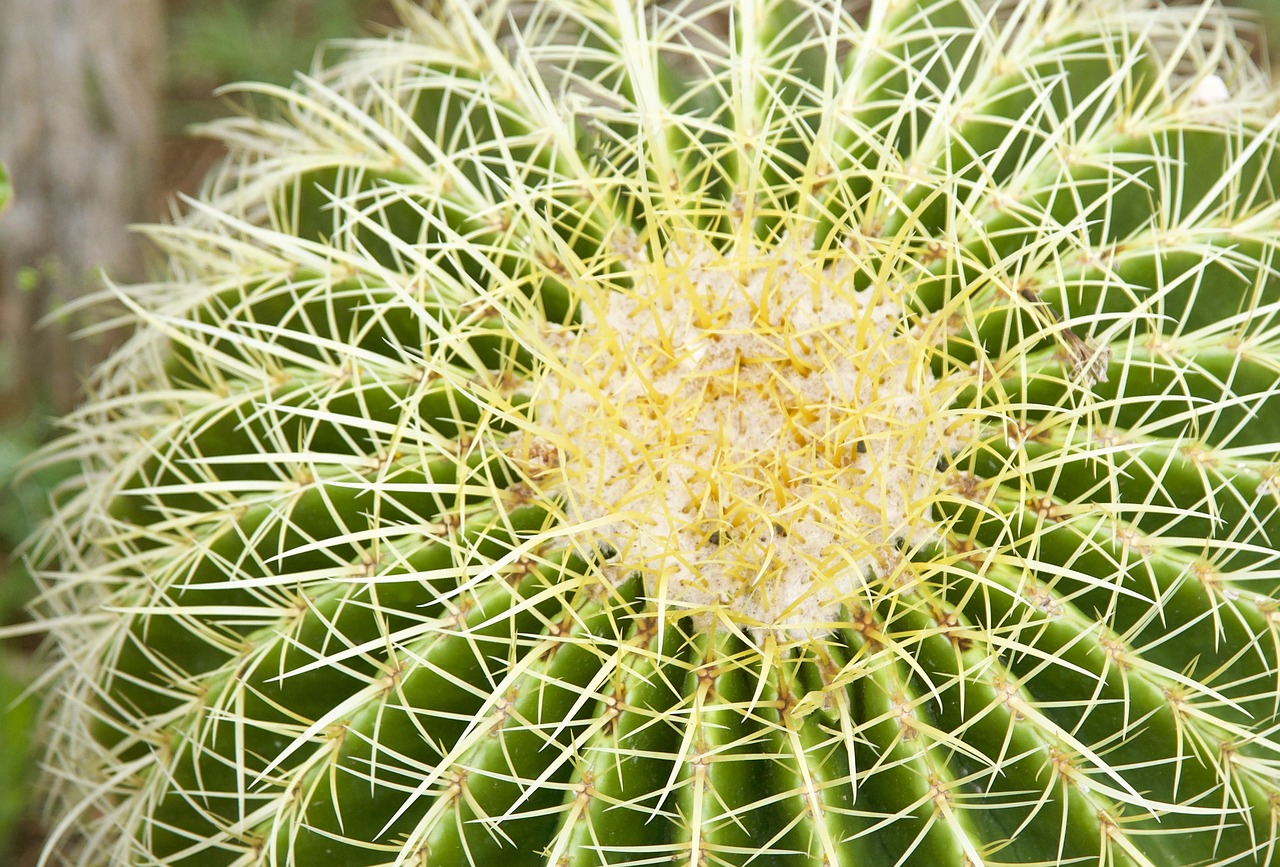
(725, 433)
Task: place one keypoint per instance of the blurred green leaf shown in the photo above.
(259, 40)
(28, 278)
(216, 42)
(6, 188)
(24, 495)
(24, 498)
(16, 720)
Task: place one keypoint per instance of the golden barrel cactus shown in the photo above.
(744, 432)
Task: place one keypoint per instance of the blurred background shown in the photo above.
(100, 102)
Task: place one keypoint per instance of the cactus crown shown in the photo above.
(734, 432)
(788, 425)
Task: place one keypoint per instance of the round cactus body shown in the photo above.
(746, 432)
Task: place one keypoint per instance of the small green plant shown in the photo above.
(16, 711)
(17, 716)
(726, 433)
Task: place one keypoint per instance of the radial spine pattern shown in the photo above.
(714, 433)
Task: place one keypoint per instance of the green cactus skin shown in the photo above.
(367, 561)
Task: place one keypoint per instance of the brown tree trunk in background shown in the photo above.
(79, 100)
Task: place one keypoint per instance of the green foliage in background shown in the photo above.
(15, 740)
(213, 43)
(15, 718)
(23, 504)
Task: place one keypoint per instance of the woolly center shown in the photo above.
(750, 432)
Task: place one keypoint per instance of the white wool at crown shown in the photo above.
(678, 405)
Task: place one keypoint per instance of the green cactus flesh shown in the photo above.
(746, 432)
